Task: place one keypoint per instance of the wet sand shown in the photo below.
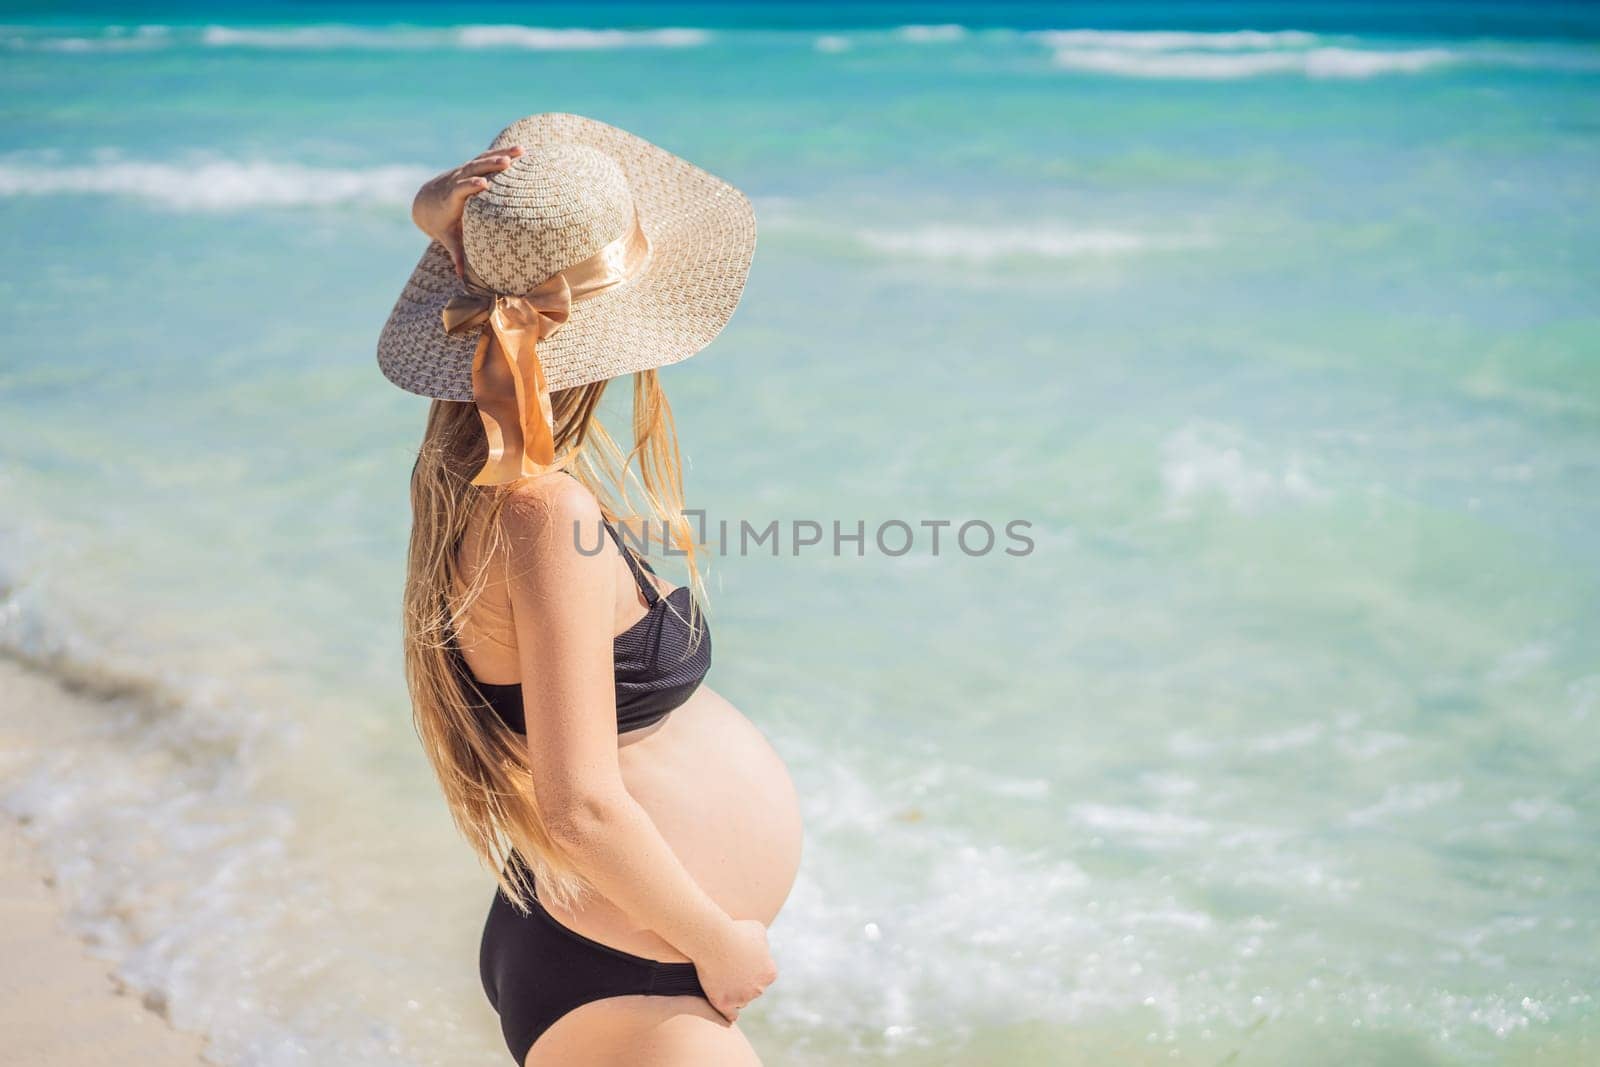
(60, 1006)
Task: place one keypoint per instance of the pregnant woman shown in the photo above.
(642, 832)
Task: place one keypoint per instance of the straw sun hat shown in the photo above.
(594, 254)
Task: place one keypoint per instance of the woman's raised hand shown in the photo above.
(439, 203)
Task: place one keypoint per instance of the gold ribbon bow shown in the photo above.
(508, 383)
(507, 379)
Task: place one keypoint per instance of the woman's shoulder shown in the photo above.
(549, 524)
(547, 508)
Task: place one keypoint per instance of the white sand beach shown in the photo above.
(60, 1006)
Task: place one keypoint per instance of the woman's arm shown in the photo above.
(562, 604)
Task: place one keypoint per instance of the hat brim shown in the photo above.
(702, 234)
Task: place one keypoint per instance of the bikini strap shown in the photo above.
(646, 586)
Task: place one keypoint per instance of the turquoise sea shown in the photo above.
(1280, 323)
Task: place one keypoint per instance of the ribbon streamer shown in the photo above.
(508, 384)
(507, 378)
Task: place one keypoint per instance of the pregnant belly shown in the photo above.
(723, 800)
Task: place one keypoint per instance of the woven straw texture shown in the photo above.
(575, 189)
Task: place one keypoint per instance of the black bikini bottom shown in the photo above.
(535, 970)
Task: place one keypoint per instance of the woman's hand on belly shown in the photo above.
(738, 969)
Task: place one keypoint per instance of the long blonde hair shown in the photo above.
(482, 766)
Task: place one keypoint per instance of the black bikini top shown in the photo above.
(656, 671)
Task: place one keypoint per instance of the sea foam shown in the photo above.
(1202, 461)
(313, 37)
(538, 38)
(920, 34)
(1170, 40)
(1231, 55)
(1227, 66)
(334, 36)
(980, 244)
(212, 184)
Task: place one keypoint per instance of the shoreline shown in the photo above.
(60, 1004)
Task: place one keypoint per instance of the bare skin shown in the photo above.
(689, 829)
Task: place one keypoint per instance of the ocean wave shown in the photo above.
(977, 244)
(1231, 55)
(214, 185)
(1153, 54)
(533, 37)
(110, 39)
(897, 954)
(313, 37)
(1173, 40)
(1328, 62)
(920, 34)
(536, 38)
(335, 36)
